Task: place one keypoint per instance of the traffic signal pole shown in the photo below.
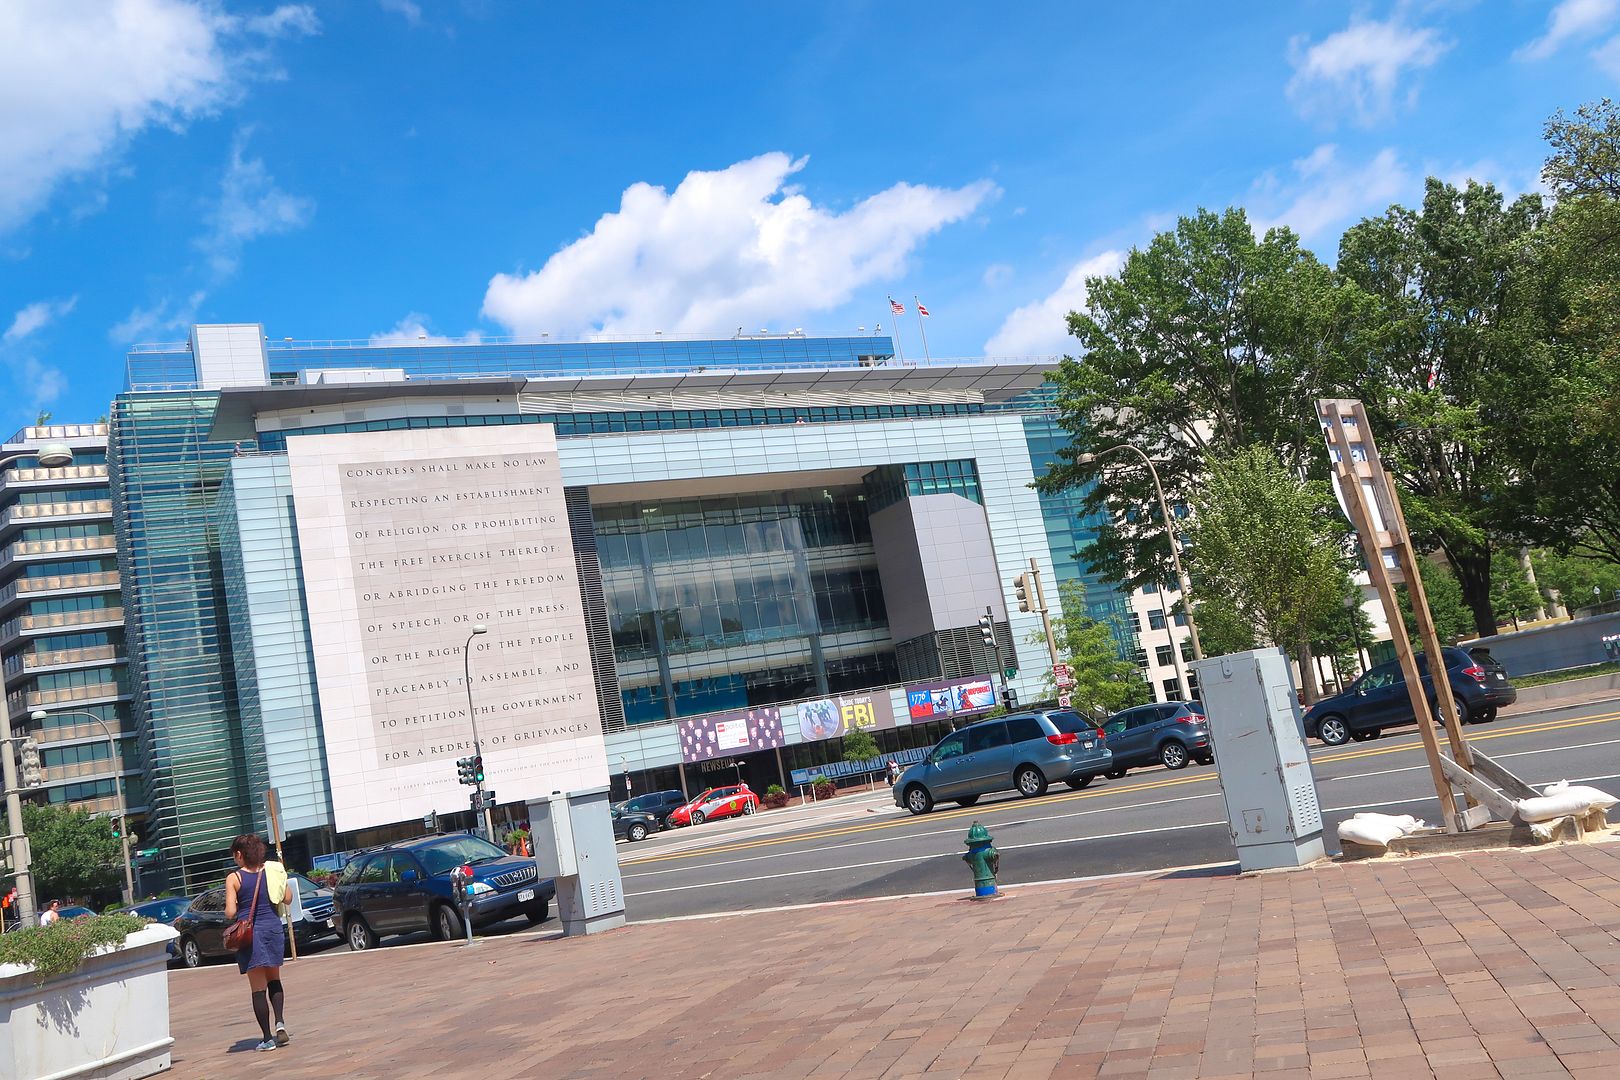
(478, 749)
(17, 842)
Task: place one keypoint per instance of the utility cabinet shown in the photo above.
(573, 841)
(1265, 772)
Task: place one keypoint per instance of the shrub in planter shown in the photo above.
(775, 797)
(823, 787)
(61, 947)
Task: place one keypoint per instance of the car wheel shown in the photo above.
(918, 801)
(1366, 736)
(1173, 755)
(698, 817)
(1115, 774)
(969, 801)
(537, 912)
(1333, 731)
(635, 832)
(1030, 782)
(447, 924)
(360, 935)
(1464, 717)
(1486, 717)
(748, 807)
(190, 952)
(1078, 782)
(1204, 759)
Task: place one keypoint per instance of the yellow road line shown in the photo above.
(1154, 785)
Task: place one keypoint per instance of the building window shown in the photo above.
(1151, 588)
(1186, 651)
(1156, 619)
(1172, 690)
(1164, 655)
(1181, 618)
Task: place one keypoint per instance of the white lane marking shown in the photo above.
(955, 831)
(915, 859)
(1431, 795)
(1516, 753)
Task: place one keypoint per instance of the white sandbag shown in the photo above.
(1596, 798)
(1377, 830)
(1565, 803)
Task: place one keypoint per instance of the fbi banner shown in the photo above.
(833, 718)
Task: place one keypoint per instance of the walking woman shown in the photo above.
(247, 897)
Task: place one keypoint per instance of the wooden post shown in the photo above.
(1374, 541)
(272, 806)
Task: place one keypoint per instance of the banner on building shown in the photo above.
(833, 718)
(943, 700)
(741, 732)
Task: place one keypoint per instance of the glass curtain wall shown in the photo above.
(738, 601)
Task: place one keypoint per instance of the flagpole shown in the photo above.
(899, 349)
(926, 357)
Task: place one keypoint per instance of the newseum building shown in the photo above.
(691, 561)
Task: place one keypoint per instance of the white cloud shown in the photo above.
(1360, 66)
(163, 319)
(413, 330)
(250, 205)
(1042, 328)
(410, 11)
(1325, 192)
(41, 383)
(79, 78)
(1572, 20)
(726, 248)
(1607, 57)
(996, 273)
(35, 317)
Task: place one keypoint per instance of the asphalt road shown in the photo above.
(1151, 819)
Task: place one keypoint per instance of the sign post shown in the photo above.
(272, 810)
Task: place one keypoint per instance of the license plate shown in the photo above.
(525, 896)
(1501, 677)
(1089, 744)
(331, 924)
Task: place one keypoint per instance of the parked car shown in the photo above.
(163, 911)
(405, 887)
(1171, 734)
(682, 815)
(202, 923)
(1379, 699)
(725, 802)
(657, 803)
(1024, 753)
(632, 825)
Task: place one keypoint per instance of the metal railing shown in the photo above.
(96, 579)
(63, 472)
(35, 661)
(27, 701)
(66, 546)
(45, 511)
(12, 627)
(52, 432)
(83, 729)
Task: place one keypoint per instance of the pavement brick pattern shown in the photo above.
(1491, 964)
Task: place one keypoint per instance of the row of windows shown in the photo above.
(888, 484)
(134, 791)
(63, 495)
(66, 532)
(87, 640)
(71, 566)
(60, 756)
(57, 605)
(95, 676)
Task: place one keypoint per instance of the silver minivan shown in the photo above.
(1024, 753)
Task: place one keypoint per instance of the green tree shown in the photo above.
(1268, 552)
(1452, 350)
(1512, 596)
(860, 746)
(1453, 619)
(1206, 341)
(73, 853)
(1106, 679)
(1573, 579)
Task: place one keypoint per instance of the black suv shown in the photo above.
(1379, 699)
(405, 887)
(1170, 733)
(657, 804)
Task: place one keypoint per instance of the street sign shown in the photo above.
(1011, 673)
(1064, 701)
(1062, 671)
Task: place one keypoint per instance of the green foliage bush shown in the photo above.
(59, 949)
(774, 789)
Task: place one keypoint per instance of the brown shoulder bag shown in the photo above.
(239, 935)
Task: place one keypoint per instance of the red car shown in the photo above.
(716, 803)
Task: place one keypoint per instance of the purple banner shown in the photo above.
(719, 734)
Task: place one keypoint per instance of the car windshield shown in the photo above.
(641, 803)
(443, 857)
(304, 884)
(1071, 723)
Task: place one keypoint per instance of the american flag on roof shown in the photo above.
(922, 310)
(896, 306)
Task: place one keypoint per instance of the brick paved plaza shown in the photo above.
(1501, 963)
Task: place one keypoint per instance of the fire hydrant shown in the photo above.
(984, 860)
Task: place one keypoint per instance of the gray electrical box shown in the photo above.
(1265, 773)
(573, 843)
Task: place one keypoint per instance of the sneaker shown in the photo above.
(282, 1038)
(268, 1044)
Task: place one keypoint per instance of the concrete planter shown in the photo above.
(109, 1020)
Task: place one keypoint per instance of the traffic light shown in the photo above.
(9, 899)
(987, 630)
(478, 769)
(464, 770)
(118, 829)
(1021, 587)
(32, 774)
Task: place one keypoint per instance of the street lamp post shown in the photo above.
(1175, 558)
(118, 787)
(472, 715)
(50, 456)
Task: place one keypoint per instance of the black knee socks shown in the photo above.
(261, 1012)
(276, 998)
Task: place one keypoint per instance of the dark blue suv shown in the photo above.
(405, 887)
(1379, 700)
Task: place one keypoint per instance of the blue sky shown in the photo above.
(427, 168)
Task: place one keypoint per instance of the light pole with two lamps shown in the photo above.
(39, 717)
(54, 455)
(472, 714)
(1175, 558)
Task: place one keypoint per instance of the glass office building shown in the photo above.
(759, 521)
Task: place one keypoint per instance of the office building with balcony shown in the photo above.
(764, 521)
(62, 619)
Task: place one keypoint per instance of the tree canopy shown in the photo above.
(73, 853)
(1105, 679)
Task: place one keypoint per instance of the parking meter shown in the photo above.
(460, 878)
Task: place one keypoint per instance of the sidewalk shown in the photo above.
(1492, 964)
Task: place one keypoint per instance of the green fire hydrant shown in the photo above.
(984, 860)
